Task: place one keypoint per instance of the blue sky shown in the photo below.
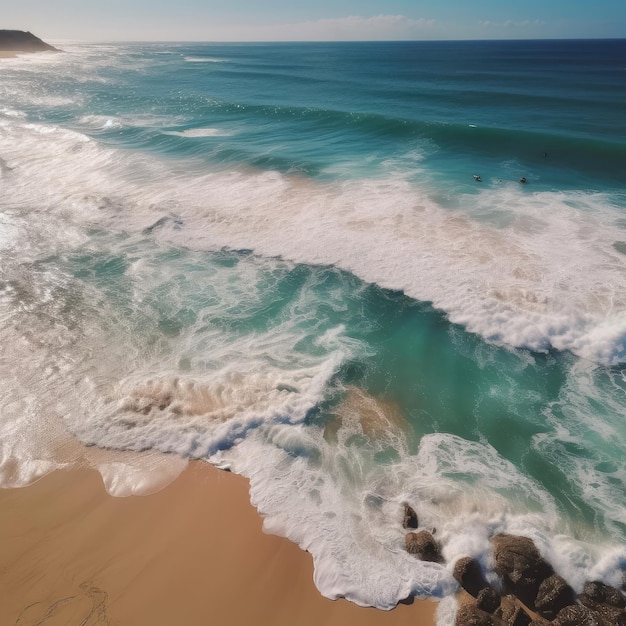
(284, 20)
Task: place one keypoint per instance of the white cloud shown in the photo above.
(509, 24)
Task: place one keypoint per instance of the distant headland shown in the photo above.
(14, 41)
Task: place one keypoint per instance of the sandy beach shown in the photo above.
(191, 553)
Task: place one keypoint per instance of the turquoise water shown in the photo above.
(275, 257)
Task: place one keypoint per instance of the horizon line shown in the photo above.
(295, 41)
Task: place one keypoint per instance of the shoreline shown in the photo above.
(191, 552)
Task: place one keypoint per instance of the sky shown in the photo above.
(316, 20)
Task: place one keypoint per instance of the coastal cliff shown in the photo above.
(22, 41)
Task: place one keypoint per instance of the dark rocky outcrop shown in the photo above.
(469, 574)
(488, 600)
(553, 595)
(471, 615)
(22, 41)
(513, 615)
(609, 615)
(423, 545)
(521, 566)
(534, 594)
(596, 592)
(576, 615)
(409, 519)
(607, 604)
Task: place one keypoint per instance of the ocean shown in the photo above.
(277, 258)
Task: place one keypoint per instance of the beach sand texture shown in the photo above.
(192, 553)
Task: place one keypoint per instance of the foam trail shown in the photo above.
(551, 279)
(198, 132)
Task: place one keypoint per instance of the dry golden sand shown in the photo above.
(192, 553)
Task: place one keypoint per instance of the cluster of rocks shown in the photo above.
(531, 592)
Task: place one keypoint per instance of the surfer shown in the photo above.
(477, 178)
(522, 179)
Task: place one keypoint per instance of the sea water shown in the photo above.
(276, 258)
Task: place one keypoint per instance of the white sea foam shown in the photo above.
(199, 132)
(335, 501)
(45, 376)
(86, 369)
(588, 417)
(536, 270)
(11, 112)
(130, 121)
(8, 232)
(540, 273)
(101, 121)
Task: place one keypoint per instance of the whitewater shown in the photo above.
(275, 258)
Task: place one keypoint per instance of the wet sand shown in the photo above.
(192, 553)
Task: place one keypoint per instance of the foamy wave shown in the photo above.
(103, 122)
(529, 271)
(586, 436)
(197, 418)
(134, 366)
(80, 361)
(12, 113)
(199, 132)
(338, 503)
(100, 121)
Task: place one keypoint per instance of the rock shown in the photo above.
(423, 545)
(471, 615)
(596, 592)
(488, 600)
(513, 615)
(22, 41)
(410, 517)
(468, 573)
(606, 603)
(553, 595)
(521, 566)
(609, 615)
(576, 615)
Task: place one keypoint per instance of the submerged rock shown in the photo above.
(423, 545)
(409, 519)
(468, 573)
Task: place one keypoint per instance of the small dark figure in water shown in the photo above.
(522, 179)
(477, 178)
